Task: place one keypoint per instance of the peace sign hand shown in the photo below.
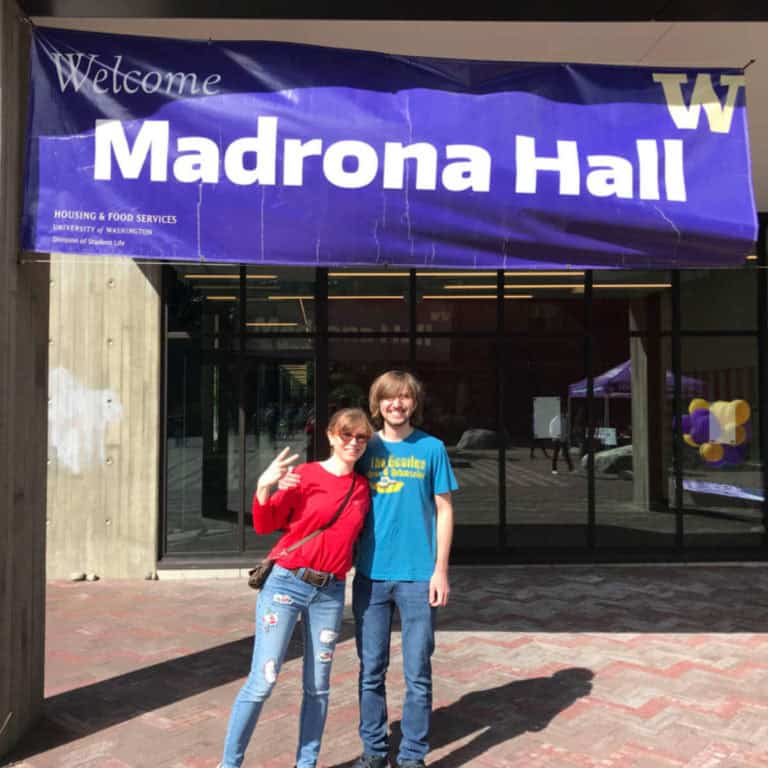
(281, 466)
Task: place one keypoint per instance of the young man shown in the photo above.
(402, 562)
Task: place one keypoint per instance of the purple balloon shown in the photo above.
(734, 454)
(700, 426)
(686, 424)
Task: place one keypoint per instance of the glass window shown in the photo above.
(546, 481)
(203, 488)
(279, 411)
(354, 363)
(718, 299)
(280, 300)
(547, 302)
(368, 301)
(455, 301)
(459, 377)
(631, 301)
(632, 389)
(722, 457)
(204, 302)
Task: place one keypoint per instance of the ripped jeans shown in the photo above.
(283, 598)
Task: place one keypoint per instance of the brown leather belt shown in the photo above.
(315, 578)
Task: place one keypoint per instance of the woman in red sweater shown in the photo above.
(307, 582)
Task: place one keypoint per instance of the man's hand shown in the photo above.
(439, 589)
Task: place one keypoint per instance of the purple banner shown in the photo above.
(288, 154)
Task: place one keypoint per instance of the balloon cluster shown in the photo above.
(720, 430)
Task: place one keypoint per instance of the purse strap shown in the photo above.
(319, 530)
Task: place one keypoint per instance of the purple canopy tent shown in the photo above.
(617, 383)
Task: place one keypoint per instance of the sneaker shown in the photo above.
(371, 761)
(411, 764)
(554, 471)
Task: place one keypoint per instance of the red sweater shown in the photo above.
(305, 508)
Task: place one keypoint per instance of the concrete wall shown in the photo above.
(23, 366)
(104, 417)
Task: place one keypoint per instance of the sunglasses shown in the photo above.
(348, 437)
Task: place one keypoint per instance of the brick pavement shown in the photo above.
(561, 667)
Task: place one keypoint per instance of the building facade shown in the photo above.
(167, 386)
(170, 386)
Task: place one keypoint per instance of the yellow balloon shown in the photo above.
(711, 451)
(728, 433)
(741, 411)
(690, 441)
(697, 403)
(719, 409)
(741, 435)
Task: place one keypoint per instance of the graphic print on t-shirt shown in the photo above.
(387, 474)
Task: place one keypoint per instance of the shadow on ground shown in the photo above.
(485, 719)
(83, 711)
(627, 599)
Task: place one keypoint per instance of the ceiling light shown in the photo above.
(366, 298)
(534, 273)
(368, 274)
(468, 287)
(271, 325)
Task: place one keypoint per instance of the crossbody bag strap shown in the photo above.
(318, 531)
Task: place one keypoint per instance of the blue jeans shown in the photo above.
(283, 598)
(373, 603)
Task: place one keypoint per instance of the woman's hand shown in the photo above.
(277, 472)
(289, 480)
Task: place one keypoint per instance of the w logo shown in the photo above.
(686, 116)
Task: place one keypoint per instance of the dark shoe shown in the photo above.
(411, 764)
(371, 761)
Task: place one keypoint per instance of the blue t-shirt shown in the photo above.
(398, 542)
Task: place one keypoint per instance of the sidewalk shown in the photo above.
(648, 667)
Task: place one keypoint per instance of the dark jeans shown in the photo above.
(566, 449)
(373, 603)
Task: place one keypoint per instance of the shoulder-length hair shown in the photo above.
(394, 383)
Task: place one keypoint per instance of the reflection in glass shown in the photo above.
(368, 301)
(279, 411)
(280, 300)
(549, 301)
(202, 451)
(722, 469)
(718, 299)
(632, 386)
(631, 301)
(354, 363)
(546, 500)
(204, 302)
(455, 301)
(461, 410)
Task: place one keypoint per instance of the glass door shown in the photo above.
(201, 451)
(278, 407)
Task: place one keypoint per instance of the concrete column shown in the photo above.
(104, 417)
(648, 404)
(23, 373)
